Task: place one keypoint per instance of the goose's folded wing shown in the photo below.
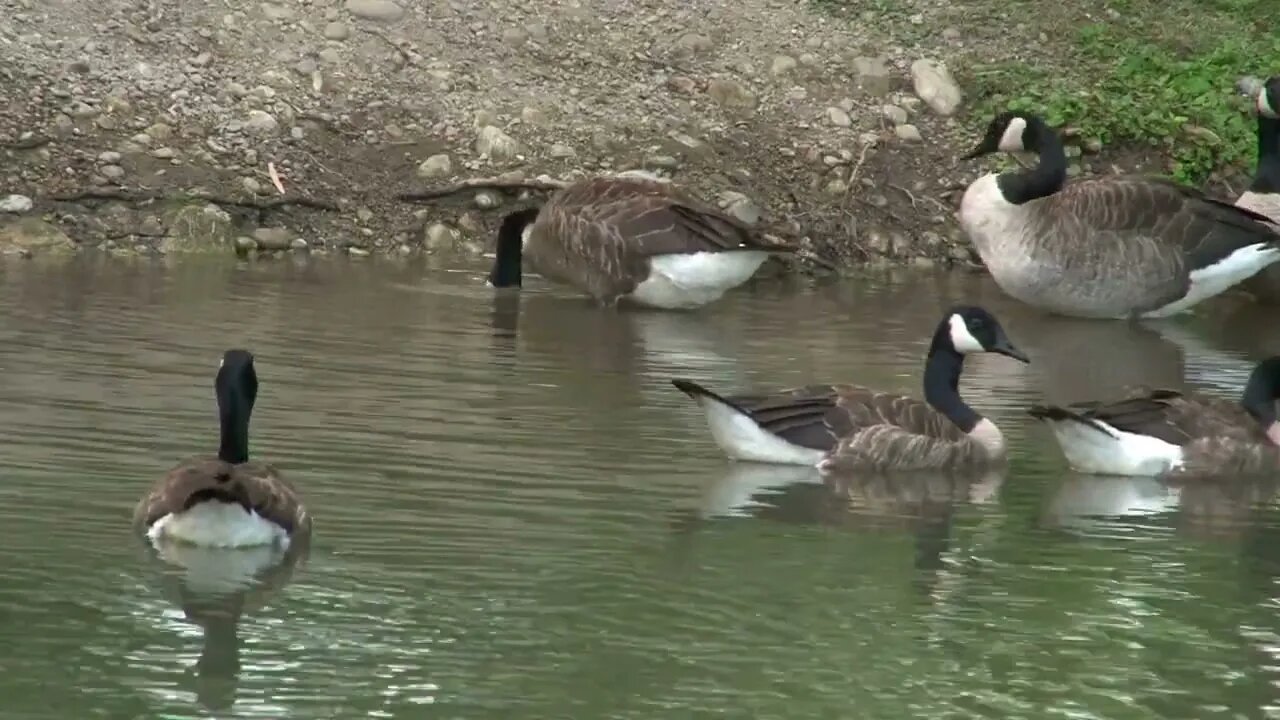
(866, 408)
(1204, 229)
(807, 416)
(1171, 416)
(893, 447)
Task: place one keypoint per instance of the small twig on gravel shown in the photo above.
(910, 196)
(547, 185)
(275, 177)
(404, 54)
(853, 175)
(148, 196)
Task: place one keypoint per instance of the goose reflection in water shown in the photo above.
(215, 588)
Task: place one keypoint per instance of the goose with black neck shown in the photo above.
(1263, 194)
(1106, 247)
(851, 427)
(227, 500)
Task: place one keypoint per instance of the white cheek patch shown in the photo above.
(961, 339)
(1264, 105)
(1011, 141)
(524, 235)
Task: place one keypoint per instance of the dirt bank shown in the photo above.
(153, 126)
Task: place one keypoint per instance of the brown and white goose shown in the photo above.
(1107, 247)
(839, 427)
(227, 500)
(1159, 432)
(630, 236)
(1263, 195)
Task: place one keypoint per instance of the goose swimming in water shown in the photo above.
(839, 427)
(630, 236)
(1263, 195)
(227, 500)
(1109, 247)
(1159, 432)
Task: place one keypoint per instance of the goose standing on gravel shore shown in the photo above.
(1110, 247)
(227, 500)
(848, 427)
(1158, 432)
(1263, 195)
(630, 236)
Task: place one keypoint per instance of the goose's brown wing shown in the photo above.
(253, 485)
(1172, 416)
(1162, 227)
(818, 416)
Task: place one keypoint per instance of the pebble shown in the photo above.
(261, 122)
(164, 153)
(112, 172)
(110, 156)
(251, 185)
(873, 74)
(439, 237)
(730, 93)
(436, 166)
(908, 133)
(496, 144)
(838, 117)
(782, 64)
(299, 245)
(273, 238)
(561, 151)
(894, 114)
(337, 31)
(934, 84)
(377, 10)
(15, 204)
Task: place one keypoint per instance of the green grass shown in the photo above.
(1154, 73)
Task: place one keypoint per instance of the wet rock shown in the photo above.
(838, 117)
(109, 157)
(112, 172)
(197, 228)
(15, 204)
(934, 84)
(436, 166)
(496, 144)
(377, 10)
(243, 244)
(730, 93)
(438, 238)
(299, 245)
(273, 238)
(27, 236)
(159, 131)
(874, 75)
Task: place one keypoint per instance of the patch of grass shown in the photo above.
(1159, 73)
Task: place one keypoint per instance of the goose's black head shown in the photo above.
(1268, 101)
(970, 329)
(236, 378)
(1011, 131)
(1262, 391)
(507, 269)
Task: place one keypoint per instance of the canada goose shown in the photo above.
(1263, 195)
(227, 500)
(1156, 432)
(1113, 247)
(848, 426)
(630, 236)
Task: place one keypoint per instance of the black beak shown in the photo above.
(1004, 347)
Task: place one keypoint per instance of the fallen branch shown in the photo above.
(149, 196)
(544, 184)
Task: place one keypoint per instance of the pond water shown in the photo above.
(518, 516)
